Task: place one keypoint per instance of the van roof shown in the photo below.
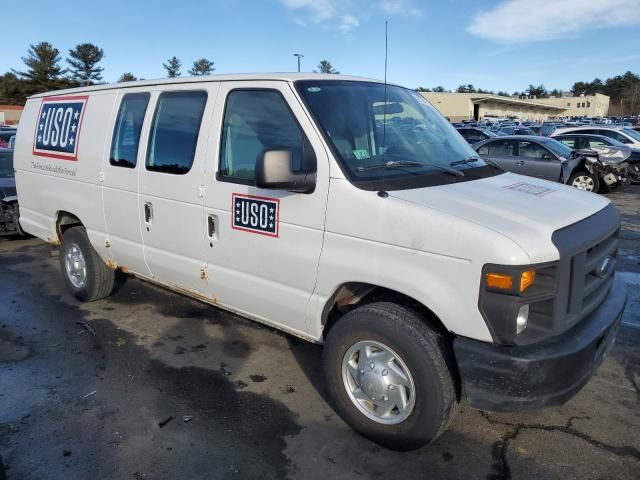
(287, 77)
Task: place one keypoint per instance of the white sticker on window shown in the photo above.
(361, 154)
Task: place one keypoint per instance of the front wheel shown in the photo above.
(85, 273)
(584, 181)
(390, 375)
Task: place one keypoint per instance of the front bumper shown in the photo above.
(506, 378)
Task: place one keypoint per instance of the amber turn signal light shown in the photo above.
(504, 281)
(526, 279)
(499, 281)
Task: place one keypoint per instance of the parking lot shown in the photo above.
(148, 384)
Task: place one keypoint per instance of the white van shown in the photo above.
(343, 211)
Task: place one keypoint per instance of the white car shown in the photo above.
(343, 211)
(626, 135)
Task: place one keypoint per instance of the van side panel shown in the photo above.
(47, 185)
(409, 249)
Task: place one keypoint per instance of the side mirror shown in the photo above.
(274, 171)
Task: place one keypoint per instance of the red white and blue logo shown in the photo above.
(250, 213)
(58, 127)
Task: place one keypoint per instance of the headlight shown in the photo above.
(522, 319)
(517, 301)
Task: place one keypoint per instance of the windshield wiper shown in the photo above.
(405, 164)
(465, 161)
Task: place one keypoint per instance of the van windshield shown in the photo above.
(405, 139)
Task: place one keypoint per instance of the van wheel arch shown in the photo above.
(64, 221)
(351, 295)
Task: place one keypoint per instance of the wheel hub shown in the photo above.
(373, 384)
(378, 382)
(75, 266)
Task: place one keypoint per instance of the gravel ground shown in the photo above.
(148, 384)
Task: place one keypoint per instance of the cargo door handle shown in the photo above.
(212, 225)
(148, 212)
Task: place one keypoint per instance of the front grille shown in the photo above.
(582, 282)
(588, 285)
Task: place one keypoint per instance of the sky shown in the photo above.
(492, 44)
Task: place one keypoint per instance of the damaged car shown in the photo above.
(9, 213)
(594, 170)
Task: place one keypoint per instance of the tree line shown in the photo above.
(623, 90)
(46, 70)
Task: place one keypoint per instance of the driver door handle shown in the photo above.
(520, 162)
(148, 212)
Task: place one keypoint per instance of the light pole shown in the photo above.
(299, 55)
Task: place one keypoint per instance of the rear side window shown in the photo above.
(126, 134)
(174, 131)
(255, 121)
(612, 134)
(502, 148)
(568, 141)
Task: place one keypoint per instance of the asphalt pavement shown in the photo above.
(149, 384)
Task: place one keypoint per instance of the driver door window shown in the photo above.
(255, 121)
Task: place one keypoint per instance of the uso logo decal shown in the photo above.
(255, 214)
(58, 127)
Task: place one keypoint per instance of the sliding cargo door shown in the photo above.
(170, 202)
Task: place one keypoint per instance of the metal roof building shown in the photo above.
(467, 106)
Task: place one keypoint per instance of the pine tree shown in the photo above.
(202, 66)
(173, 67)
(43, 69)
(83, 61)
(325, 67)
(127, 77)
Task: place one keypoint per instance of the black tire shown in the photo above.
(583, 173)
(427, 356)
(99, 277)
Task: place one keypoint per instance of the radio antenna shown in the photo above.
(382, 193)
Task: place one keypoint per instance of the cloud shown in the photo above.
(348, 23)
(320, 9)
(539, 20)
(345, 15)
(399, 7)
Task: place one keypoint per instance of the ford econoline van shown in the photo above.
(344, 211)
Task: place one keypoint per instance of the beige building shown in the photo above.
(589, 105)
(467, 106)
(10, 114)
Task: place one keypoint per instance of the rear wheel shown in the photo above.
(390, 375)
(584, 181)
(85, 273)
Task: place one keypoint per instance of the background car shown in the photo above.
(5, 137)
(550, 159)
(626, 135)
(9, 212)
(475, 134)
(586, 141)
(515, 130)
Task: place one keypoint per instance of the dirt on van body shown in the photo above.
(161, 387)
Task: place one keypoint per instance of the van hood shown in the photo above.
(525, 209)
